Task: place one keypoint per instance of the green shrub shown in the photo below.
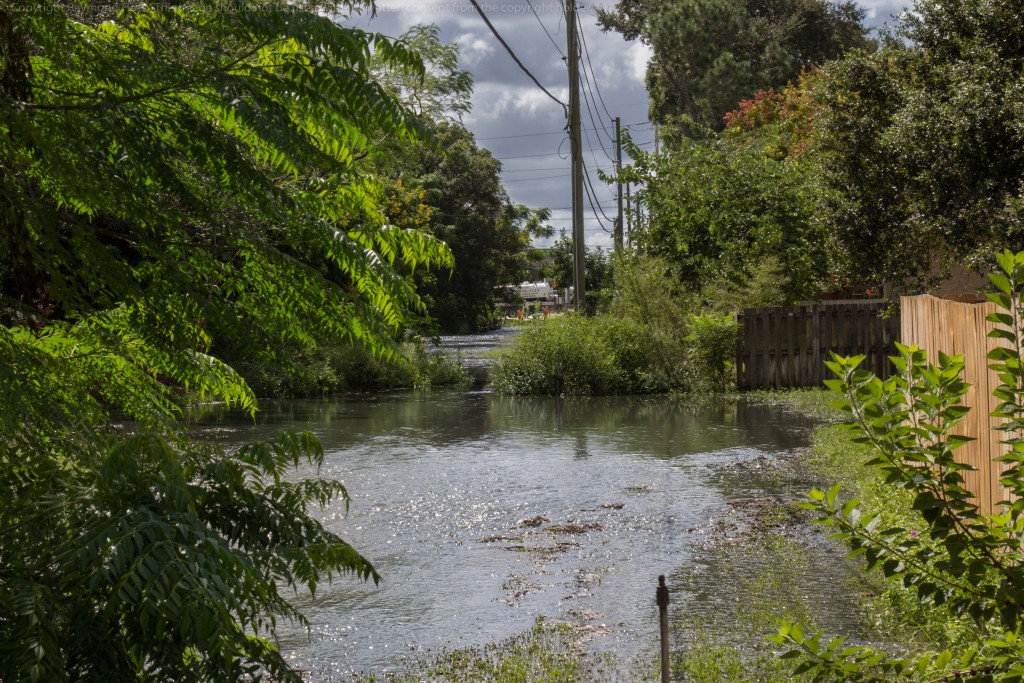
(765, 282)
(960, 562)
(646, 291)
(563, 356)
(434, 367)
(320, 370)
(711, 350)
(650, 341)
(633, 353)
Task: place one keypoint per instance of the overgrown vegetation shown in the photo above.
(319, 371)
(547, 653)
(178, 179)
(650, 340)
(790, 135)
(965, 566)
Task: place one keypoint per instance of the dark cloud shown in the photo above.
(519, 123)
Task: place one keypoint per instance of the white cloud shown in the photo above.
(637, 56)
(474, 48)
(493, 100)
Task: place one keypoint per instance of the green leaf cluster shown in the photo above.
(458, 187)
(176, 179)
(964, 561)
(708, 55)
(923, 145)
(720, 210)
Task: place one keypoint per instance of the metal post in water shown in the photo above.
(662, 600)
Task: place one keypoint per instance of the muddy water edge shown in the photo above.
(487, 514)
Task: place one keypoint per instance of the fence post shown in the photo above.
(662, 600)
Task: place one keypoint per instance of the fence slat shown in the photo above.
(788, 346)
(956, 328)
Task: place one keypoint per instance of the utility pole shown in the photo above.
(576, 149)
(629, 218)
(657, 146)
(618, 185)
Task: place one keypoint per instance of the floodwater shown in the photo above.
(483, 512)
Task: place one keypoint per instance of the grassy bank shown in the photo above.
(310, 371)
(768, 562)
(547, 653)
(733, 646)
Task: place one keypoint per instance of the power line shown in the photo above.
(546, 177)
(543, 168)
(515, 58)
(548, 154)
(524, 170)
(592, 196)
(524, 135)
(569, 208)
(586, 52)
(545, 28)
(590, 113)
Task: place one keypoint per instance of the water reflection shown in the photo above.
(442, 482)
(650, 426)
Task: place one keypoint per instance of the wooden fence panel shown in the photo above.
(958, 328)
(788, 346)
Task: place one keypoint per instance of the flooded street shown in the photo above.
(483, 512)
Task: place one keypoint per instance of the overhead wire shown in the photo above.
(515, 57)
(595, 205)
(586, 52)
(587, 136)
(524, 135)
(590, 113)
(545, 28)
(546, 154)
(543, 168)
(590, 110)
(547, 177)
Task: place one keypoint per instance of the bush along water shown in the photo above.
(650, 341)
(578, 356)
(962, 564)
(321, 370)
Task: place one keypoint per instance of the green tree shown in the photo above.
(172, 176)
(451, 188)
(597, 271)
(466, 206)
(437, 92)
(923, 147)
(710, 54)
(723, 209)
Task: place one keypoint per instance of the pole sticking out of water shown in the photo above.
(661, 597)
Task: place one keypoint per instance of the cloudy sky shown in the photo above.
(519, 123)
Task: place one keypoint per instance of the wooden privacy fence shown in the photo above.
(954, 329)
(788, 346)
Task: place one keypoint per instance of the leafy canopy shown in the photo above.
(173, 176)
(710, 54)
(922, 147)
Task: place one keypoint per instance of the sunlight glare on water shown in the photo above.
(482, 512)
